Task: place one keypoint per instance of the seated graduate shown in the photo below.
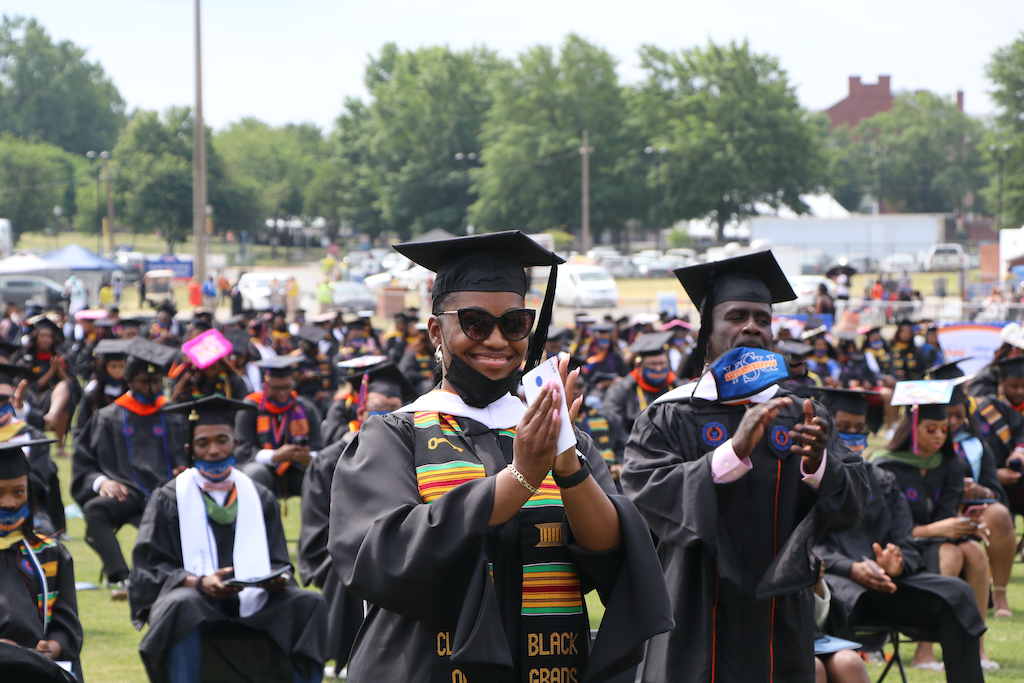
(205, 370)
(50, 512)
(650, 378)
(876, 573)
(209, 525)
(419, 360)
(33, 566)
(277, 441)
(841, 666)
(1002, 427)
(386, 390)
(931, 476)
(375, 390)
(455, 517)
(316, 379)
(107, 384)
(981, 482)
(124, 453)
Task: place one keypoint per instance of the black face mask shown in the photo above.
(475, 388)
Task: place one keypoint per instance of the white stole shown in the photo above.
(251, 555)
(504, 413)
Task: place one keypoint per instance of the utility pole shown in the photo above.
(585, 153)
(110, 204)
(199, 168)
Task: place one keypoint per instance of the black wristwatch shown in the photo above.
(582, 473)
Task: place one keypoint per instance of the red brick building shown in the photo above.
(864, 101)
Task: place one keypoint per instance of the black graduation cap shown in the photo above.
(239, 340)
(235, 320)
(8, 349)
(11, 374)
(201, 323)
(113, 349)
(794, 349)
(386, 379)
(557, 333)
(948, 370)
(167, 307)
(311, 334)
(210, 410)
(494, 262)
(279, 366)
(158, 356)
(1011, 367)
(356, 323)
(42, 321)
(853, 401)
(651, 344)
(752, 277)
(13, 463)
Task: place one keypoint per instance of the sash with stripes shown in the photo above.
(47, 553)
(994, 420)
(553, 628)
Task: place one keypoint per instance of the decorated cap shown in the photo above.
(494, 262)
(853, 401)
(13, 462)
(753, 277)
(207, 348)
(927, 399)
(651, 344)
(210, 410)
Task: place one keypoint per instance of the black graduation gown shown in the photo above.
(294, 619)
(248, 439)
(310, 388)
(87, 407)
(20, 589)
(45, 482)
(136, 459)
(344, 610)
(339, 415)
(419, 375)
(437, 614)
(907, 363)
(856, 368)
(621, 404)
(1002, 427)
(985, 382)
(888, 520)
(737, 557)
(394, 347)
(931, 497)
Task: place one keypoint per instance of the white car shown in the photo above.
(806, 288)
(946, 257)
(255, 289)
(585, 286)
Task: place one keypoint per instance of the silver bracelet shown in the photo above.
(522, 480)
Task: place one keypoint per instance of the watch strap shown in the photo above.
(578, 476)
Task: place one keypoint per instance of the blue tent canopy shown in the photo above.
(75, 257)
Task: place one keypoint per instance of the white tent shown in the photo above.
(23, 263)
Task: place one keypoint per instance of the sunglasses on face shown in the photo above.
(478, 325)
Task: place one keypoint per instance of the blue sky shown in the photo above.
(297, 60)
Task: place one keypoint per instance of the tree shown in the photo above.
(530, 179)
(923, 155)
(49, 92)
(34, 178)
(734, 131)
(1007, 73)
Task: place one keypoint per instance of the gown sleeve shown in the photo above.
(156, 561)
(65, 626)
(85, 466)
(948, 503)
(901, 529)
(313, 558)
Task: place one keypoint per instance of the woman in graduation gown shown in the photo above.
(31, 565)
(178, 583)
(931, 476)
(107, 384)
(472, 540)
(53, 389)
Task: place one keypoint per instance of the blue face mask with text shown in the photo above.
(11, 520)
(745, 371)
(655, 377)
(855, 442)
(216, 470)
(602, 344)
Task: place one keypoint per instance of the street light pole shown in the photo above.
(110, 201)
(199, 167)
(585, 151)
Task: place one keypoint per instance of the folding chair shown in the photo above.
(874, 637)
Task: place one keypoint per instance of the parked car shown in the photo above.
(352, 296)
(806, 288)
(585, 286)
(662, 267)
(618, 266)
(255, 289)
(947, 256)
(897, 263)
(18, 289)
(599, 251)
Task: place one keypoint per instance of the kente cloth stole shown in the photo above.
(423, 363)
(47, 555)
(554, 627)
(219, 386)
(277, 426)
(994, 421)
(596, 425)
(324, 363)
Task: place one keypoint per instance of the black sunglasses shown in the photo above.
(478, 325)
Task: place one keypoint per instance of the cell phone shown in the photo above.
(302, 441)
(1014, 465)
(974, 510)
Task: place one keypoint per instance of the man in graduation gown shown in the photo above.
(124, 453)
(387, 391)
(876, 573)
(651, 378)
(737, 479)
(50, 515)
(278, 440)
(209, 525)
(32, 565)
(316, 379)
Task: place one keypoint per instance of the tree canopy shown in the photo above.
(1007, 73)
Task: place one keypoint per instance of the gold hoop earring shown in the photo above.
(438, 356)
